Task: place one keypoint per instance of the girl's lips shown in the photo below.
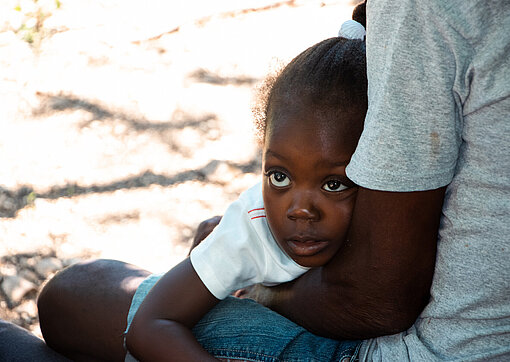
(306, 247)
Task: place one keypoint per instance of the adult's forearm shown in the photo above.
(331, 309)
(379, 281)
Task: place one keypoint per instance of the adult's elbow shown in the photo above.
(399, 313)
(397, 322)
(373, 311)
(383, 319)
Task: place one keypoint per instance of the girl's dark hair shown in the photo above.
(329, 76)
(359, 13)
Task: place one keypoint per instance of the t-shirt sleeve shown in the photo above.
(241, 250)
(413, 126)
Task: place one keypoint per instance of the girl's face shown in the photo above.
(307, 196)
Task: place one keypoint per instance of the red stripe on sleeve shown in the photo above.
(256, 210)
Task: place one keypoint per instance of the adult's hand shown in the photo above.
(203, 230)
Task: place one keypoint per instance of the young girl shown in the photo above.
(295, 219)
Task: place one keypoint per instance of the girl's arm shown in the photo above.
(161, 328)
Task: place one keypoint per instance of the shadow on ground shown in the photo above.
(11, 201)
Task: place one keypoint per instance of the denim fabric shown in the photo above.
(19, 345)
(241, 329)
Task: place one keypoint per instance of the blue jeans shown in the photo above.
(18, 345)
(245, 330)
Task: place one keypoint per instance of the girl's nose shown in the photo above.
(303, 208)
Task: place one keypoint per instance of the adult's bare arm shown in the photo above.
(379, 282)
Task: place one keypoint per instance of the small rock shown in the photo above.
(23, 261)
(28, 261)
(29, 275)
(8, 270)
(27, 310)
(7, 205)
(16, 287)
(46, 266)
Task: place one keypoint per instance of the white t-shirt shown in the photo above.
(439, 114)
(241, 250)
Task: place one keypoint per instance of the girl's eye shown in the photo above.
(334, 186)
(279, 179)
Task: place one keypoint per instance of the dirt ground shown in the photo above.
(123, 124)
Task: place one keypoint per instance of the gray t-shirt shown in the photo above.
(439, 114)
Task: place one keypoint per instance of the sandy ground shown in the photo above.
(123, 124)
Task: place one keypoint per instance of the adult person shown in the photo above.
(439, 102)
(437, 127)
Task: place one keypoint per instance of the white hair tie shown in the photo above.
(351, 29)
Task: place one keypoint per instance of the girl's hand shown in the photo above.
(203, 230)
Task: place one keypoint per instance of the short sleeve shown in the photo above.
(241, 250)
(413, 126)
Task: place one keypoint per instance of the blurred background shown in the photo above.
(123, 124)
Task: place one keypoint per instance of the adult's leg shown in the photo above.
(243, 330)
(83, 313)
(18, 344)
(83, 309)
